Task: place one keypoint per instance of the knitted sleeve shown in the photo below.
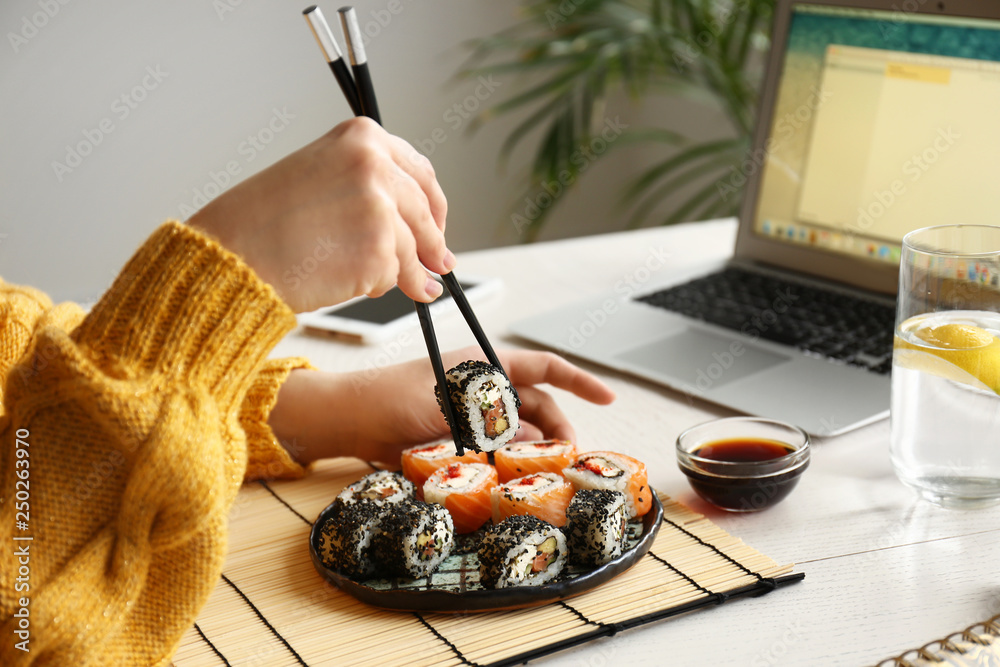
(122, 449)
(23, 310)
(268, 458)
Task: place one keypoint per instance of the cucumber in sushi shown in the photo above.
(521, 551)
(413, 539)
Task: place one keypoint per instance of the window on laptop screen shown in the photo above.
(884, 122)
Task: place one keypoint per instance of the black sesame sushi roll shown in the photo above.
(382, 487)
(597, 526)
(485, 405)
(521, 551)
(414, 539)
(345, 539)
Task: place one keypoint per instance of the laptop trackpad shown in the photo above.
(696, 357)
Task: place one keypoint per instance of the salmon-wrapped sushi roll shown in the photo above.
(517, 459)
(464, 490)
(545, 495)
(617, 472)
(422, 461)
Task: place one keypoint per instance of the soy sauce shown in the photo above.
(743, 450)
(736, 475)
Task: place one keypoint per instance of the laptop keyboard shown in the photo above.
(837, 326)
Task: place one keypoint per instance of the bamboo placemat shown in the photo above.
(271, 607)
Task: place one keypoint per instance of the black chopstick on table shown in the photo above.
(359, 63)
(361, 87)
(324, 37)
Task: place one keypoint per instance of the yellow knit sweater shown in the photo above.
(126, 434)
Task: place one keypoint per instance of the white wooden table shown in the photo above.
(885, 571)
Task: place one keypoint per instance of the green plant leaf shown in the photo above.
(706, 163)
(574, 55)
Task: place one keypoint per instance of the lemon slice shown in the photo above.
(955, 336)
(972, 354)
(929, 363)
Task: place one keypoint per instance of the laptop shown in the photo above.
(876, 117)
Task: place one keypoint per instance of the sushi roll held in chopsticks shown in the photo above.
(521, 551)
(596, 526)
(422, 461)
(617, 472)
(544, 495)
(413, 539)
(517, 459)
(485, 405)
(464, 490)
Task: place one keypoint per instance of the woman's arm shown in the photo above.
(363, 204)
(346, 414)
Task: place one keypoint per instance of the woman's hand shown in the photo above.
(352, 213)
(321, 415)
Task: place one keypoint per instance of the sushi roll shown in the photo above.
(517, 459)
(617, 472)
(544, 495)
(521, 551)
(485, 405)
(382, 487)
(464, 490)
(596, 526)
(422, 461)
(414, 538)
(346, 537)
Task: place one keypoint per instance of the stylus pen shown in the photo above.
(334, 58)
(359, 63)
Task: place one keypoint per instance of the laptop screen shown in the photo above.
(883, 122)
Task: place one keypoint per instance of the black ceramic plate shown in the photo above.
(455, 586)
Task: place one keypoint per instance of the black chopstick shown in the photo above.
(362, 88)
(328, 45)
(455, 289)
(359, 63)
(434, 352)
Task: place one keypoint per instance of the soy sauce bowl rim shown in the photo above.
(794, 460)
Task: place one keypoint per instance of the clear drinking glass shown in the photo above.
(945, 440)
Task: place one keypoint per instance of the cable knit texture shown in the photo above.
(140, 421)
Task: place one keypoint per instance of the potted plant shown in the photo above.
(578, 52)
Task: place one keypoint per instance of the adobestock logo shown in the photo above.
(30, 26)
(458, 114)
(913, 169)
(752, 329)
(121, 108)
(581, 159)
(324, 248)
(626, 287)
(785, 127)
(248, 149)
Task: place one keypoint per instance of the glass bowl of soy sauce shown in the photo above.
(743, 464)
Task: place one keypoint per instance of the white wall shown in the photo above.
(118, 115)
